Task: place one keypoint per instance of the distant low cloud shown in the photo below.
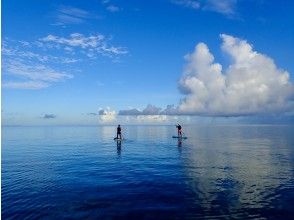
(170, 110)
(92, 114)
(225, 7)
(90, 45)
(102, 112)
(49, 116)
(130, 112)
(107, 115)
(151, 110)
(149, 115)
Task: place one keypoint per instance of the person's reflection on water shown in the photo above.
(118, 147)
(180, 146)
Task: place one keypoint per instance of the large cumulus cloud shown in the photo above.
(252, 84)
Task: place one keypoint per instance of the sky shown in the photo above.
(165, 61)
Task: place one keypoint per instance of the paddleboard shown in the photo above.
(118, 139)
(179, 137)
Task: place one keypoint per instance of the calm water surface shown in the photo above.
(219, 172)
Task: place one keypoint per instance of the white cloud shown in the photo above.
(25, 85)
(105, 1)
(69, 60)
(226, 7)
(72, 11)
(21, 51)
(71, 15)
(252, 84)
(113, 8)
(25, 43)
(26, 67)
(67, 19)
(194, 4)
(76, 40)
(91, 45)
(37, 72)
(29, 74)
(34, 64)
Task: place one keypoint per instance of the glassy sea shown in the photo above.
(219, 172)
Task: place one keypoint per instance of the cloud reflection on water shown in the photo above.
(231, 167)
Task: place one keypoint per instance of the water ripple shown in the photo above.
(219, 172)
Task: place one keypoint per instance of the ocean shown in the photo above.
(219, 172)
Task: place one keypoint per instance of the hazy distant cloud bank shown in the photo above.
(151, 110)
(252, 84)
(151, 114)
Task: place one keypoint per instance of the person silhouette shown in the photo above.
(118, 132)
(179, 127)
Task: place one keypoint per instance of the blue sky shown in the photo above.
(82, 62)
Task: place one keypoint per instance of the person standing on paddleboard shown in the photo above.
(179, 127)
(118, 132)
